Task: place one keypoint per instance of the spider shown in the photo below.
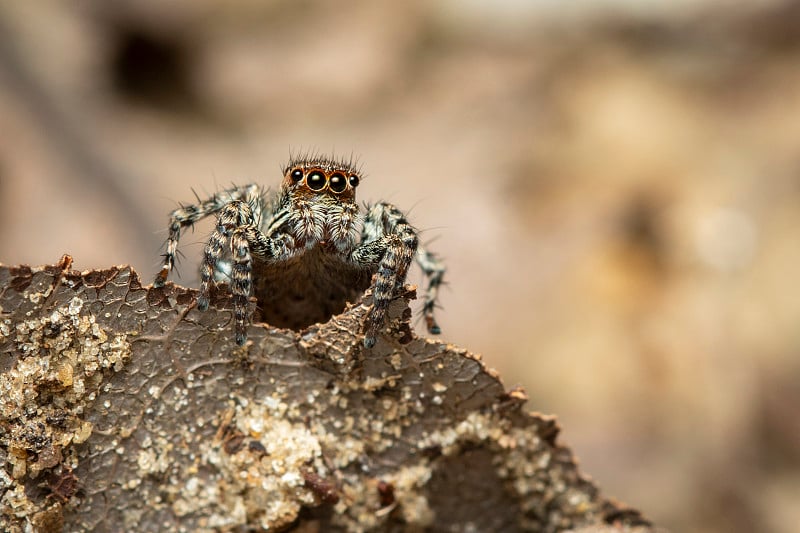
(306, 251)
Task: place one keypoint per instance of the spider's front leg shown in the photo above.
(187, 215)
(390, 243)
(237, 228)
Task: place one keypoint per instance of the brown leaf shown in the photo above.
(161, 403)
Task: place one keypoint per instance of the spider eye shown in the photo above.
(338, 183)
(297, 175)
(354, 181)
(316, 181)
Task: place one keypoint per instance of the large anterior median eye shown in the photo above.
(316, 181)
(338, 183)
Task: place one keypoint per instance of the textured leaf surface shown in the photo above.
(125, 408)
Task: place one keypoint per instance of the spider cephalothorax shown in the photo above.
(308, 250)
(315, 176)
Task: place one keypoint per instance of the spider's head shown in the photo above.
(322, 177)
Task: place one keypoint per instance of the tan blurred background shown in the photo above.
(616, 190)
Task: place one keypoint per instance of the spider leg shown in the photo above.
(212, 255)
(241, 281)
(390, 243)
(434, 270)
(187, 215)
(236, 227)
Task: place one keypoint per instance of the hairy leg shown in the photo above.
(236, 228)
(241, 282)
(434, 270)
(187, 215)
(390, 242)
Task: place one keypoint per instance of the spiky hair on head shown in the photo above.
(327, 163)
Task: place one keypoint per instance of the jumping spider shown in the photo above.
(307, 250)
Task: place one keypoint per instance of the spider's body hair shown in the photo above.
(313, 280)
(306, 251)
(326, 163)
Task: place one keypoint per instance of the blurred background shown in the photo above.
(615, 186)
